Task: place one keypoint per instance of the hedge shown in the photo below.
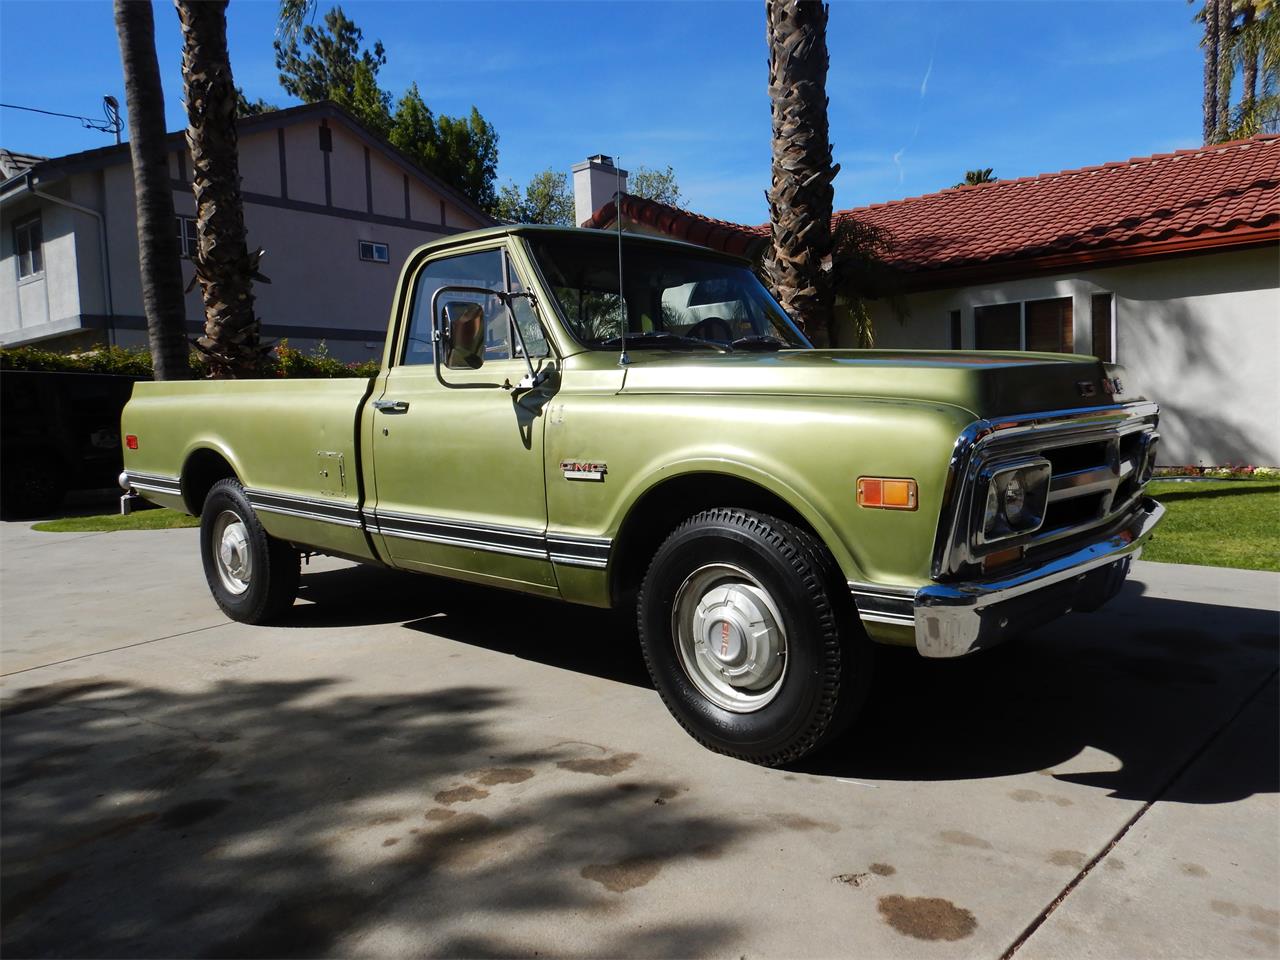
(282, 361)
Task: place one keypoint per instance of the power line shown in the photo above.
(110, 125)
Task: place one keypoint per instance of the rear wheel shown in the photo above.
(253, 576)
(751, 637)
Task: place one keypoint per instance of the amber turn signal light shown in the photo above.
(131, 442)
(887, 493)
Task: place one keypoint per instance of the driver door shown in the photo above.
(458, 459)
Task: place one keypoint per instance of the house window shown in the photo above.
(956, 330)
(28, 244)
(1042, 326)
(1103, 322)
(1048, 326)
(374, 252)
(186, 237)
(998, 327)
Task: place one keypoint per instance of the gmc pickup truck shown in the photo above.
(668, 440)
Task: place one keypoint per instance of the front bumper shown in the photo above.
(952, 619)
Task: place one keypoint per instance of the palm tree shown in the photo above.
(158, 253)
(224, 267)
(974, 177)
(801, 194)
(1211, 54)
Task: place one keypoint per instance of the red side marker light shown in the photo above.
(131, 442)
(887, 493)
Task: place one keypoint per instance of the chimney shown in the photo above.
(595, 181)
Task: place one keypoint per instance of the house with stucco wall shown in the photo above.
(1168, 264)
(335, 207)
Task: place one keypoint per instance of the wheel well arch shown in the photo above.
(203, 468)
(666, 505)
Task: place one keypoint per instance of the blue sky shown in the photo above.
(919, 92)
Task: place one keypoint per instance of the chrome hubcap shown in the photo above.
(231, 552)
(729, 637)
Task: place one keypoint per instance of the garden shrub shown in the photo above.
(282, 361)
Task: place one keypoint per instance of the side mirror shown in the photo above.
(462, 335)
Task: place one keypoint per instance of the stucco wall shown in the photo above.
(1200, 334)
(47, 302)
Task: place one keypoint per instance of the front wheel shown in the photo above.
(751, 638)
(253, 576)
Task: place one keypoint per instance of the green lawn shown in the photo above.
(1218, 523)
(160, 519)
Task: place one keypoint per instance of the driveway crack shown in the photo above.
(1141, 812)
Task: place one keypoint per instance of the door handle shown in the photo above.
(391, 406)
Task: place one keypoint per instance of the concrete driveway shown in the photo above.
(413, 767)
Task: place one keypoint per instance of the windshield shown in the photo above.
(675, 299)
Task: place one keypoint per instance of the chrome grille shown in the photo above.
(1098, 457)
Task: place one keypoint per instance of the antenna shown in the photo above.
(623, 360)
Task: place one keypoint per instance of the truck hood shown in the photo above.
(986, 384)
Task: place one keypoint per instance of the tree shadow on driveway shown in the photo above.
(254, 819)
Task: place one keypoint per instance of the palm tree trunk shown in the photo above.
(224, 267)
(1249, 67)
(801, 194)
(158, 254)
(1210, 70)
(1226, 65)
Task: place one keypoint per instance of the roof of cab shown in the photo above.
(538, 229)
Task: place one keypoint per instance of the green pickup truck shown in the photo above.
(668, 441)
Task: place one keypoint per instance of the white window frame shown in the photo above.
(19, 228)
(373, 251)
(183, 220)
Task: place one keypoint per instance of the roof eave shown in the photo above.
(917, 279)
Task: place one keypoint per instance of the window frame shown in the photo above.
(183, 251)
(1111, 325)
(373, 245)
(1022, 347)
(33, 250)
(510, 268)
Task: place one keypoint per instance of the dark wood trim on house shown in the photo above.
(303, 206)
(368, 182)
(284, 165)
(182, 166)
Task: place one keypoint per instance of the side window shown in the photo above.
(482, 269)
(535, 340)
(29, 246)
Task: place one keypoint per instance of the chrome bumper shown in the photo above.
(952, 619)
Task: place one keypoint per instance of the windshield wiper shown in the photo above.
(657, 340)
(759, 342)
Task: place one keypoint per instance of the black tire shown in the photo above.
(272, 583)
(828, 657)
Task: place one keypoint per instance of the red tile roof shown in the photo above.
(1223, 195)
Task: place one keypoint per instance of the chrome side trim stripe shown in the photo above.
(879, 603)
(579, 551)
(154, 483)
(559, 548)
(309, 508)
(514, 541)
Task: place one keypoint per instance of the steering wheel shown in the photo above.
(704, 327)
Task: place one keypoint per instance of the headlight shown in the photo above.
(1017, 495)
